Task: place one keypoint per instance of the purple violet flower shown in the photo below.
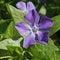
(38, 31)
(25, 7)
(42, 1)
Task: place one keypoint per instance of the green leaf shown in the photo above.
(44, 52)
(11, 32)
(9, 42)
(17, 15)
(56, 25)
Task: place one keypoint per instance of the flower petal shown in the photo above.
(42, 37)
(32, 17)
(29, 17)
(30, 6)
(21, 5)
(35, 16)
(29, 40)
(45, 23)
(22, 28)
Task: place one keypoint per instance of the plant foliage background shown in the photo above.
(11, 41)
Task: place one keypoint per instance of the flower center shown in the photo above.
(34, 29)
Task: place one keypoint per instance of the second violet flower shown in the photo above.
(25, 7)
